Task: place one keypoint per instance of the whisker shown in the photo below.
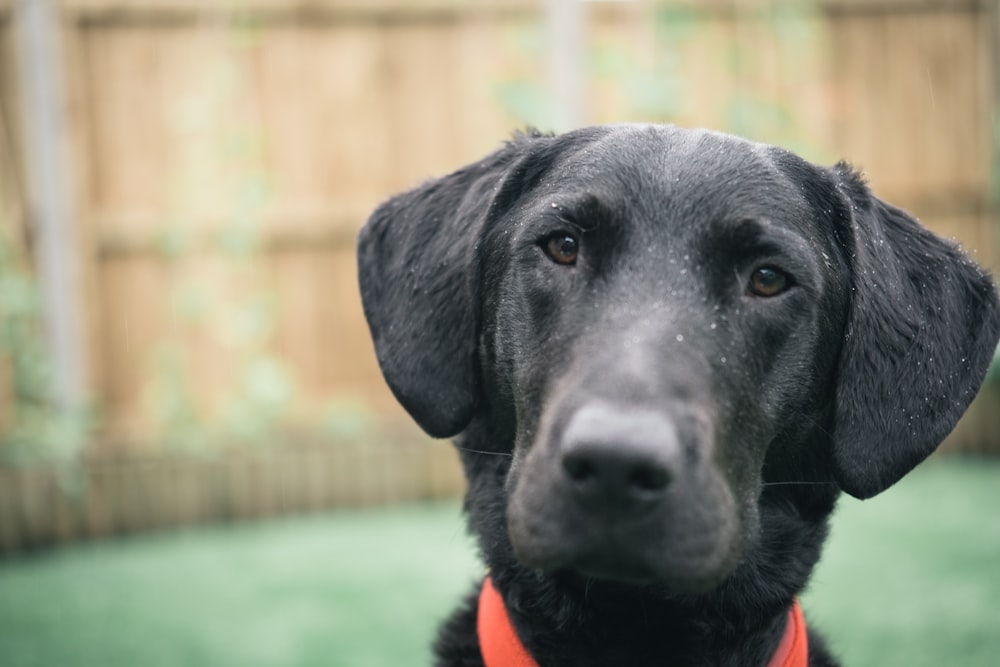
(816, 424)
(480, 451)
(797, 484)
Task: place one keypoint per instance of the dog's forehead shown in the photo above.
(693, 179)
(646, 161)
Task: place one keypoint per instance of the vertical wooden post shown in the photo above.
(566, 27)
(994, 197)
(49, 210)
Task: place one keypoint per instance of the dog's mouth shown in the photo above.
(615, 567)
(632, 555)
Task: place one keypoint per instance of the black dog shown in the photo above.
(666, 352)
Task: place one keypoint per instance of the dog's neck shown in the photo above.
(598, 626)
(501, 646)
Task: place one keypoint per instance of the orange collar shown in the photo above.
(501, 646)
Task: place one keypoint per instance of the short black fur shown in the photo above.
(652, 446)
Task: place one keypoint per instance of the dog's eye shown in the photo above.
(562, 248)
(767, 281)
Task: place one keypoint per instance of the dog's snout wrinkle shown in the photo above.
(616, 459)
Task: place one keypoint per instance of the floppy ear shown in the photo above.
(921, 332)
(416, 268)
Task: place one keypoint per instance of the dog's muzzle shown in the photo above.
(626, 493)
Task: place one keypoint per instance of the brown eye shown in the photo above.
(562, 248)
(767, 282)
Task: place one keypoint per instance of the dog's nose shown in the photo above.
(619, 458)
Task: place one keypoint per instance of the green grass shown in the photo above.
(360, 589)
(911, 578)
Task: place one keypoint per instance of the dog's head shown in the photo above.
(655, 323)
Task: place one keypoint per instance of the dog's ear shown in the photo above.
(921, 332)
(417, 272)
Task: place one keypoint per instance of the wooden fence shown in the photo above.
(224, 154)
(124, 494)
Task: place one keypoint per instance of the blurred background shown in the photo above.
(181, 337)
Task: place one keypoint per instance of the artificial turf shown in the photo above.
(911, 578)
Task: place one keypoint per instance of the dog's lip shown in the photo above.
(616, 567)
(610, 568)
(600, 569)
(617, 577)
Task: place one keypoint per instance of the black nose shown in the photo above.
(619, 459)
